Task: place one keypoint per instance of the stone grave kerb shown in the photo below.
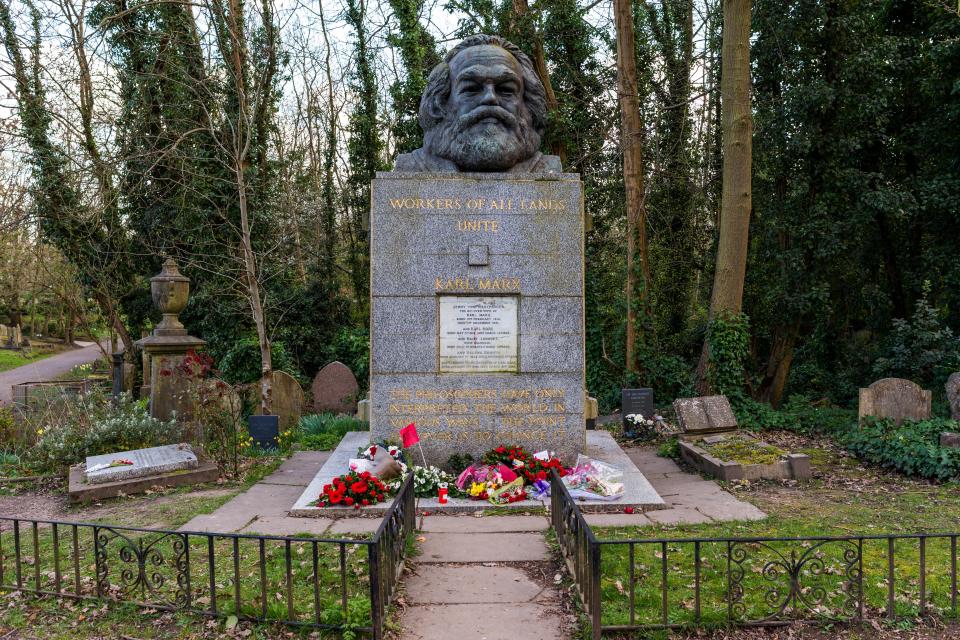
(169, 344)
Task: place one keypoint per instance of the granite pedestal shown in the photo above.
(477, 311)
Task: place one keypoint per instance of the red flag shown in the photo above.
(409, 435)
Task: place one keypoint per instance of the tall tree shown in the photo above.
(364, 151)
(733, 241)
(631, 135)
(418, 50)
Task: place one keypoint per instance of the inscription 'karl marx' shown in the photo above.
(464, 283)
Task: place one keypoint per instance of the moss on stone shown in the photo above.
(744, 450)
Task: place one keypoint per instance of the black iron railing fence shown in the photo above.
(323, 583)
(637, 584)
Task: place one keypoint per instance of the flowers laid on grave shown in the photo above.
(591, 479)
(530, 467)
(641, 427)
(496, 483)
(370, 453)
(353, 490)
(426, 481)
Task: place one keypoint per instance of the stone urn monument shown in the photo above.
(168, 345)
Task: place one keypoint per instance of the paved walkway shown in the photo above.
(486, 578)
(47, 369)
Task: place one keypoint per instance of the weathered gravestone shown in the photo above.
(335, 389)
(3, 333)
(950, 440)
(953, 395)
(707, 414)
(896, 399)
(287, 400)
(476, 247)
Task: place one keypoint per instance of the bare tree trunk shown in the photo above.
(632, 132)
(256, 306)
(521, 9)
(735, 208)
(778, 364)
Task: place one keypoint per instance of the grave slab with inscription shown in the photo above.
(477, 311)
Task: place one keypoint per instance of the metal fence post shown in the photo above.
(595, 587)
(376, 594)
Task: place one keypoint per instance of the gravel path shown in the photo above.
(47, 369)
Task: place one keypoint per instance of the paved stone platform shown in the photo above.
(688, 499)
(639, 494)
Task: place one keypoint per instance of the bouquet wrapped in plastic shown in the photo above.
(592, 479)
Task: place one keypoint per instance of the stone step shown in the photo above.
(472, 583)
(482, 547)
(504, 621)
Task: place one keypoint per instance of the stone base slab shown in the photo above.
(639, 494)
(794, 466)
(82, 491)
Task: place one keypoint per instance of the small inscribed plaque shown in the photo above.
(479, 334)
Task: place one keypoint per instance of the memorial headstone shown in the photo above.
(287, 399)
(335, 389)
(707, 414)
(477, 271)
(896, 399)
(953, 394)
(636, 401)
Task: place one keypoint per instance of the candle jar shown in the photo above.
(442, 493)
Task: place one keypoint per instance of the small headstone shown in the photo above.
(363, 410)
(896, 399)
(16, 337)
(591, 412)
(953, 395)
(146, 462)
(287, 400)
(335, 389)
(3, 332)
(637, 401)
(949, 440)
(708, 414)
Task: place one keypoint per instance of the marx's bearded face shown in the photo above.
(487, 125)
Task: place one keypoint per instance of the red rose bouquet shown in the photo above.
(528, 467)
(353, 490)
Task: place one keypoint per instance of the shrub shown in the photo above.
(913, 448)
(240, 364)
(922, 349)
(91, 425)
(797, 415)
(322, 431)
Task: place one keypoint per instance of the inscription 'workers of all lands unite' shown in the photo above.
(480, 204)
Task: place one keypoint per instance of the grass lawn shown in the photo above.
(844, 499)
(10, 359)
